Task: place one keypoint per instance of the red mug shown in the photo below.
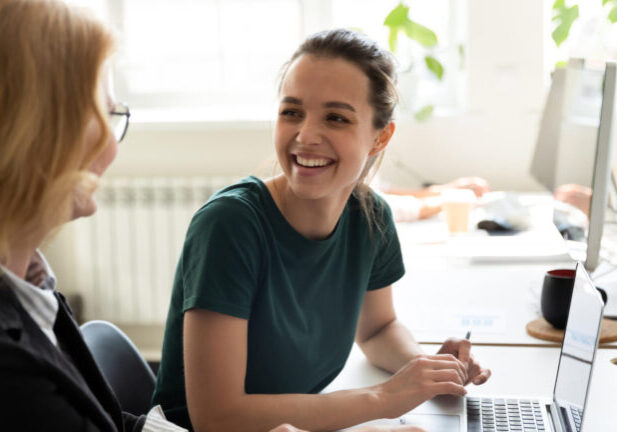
(556, 295)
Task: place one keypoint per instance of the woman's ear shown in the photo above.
(383, 138)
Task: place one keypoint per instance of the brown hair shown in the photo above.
(51, 56)
(378, 65)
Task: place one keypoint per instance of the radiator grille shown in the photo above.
(127, 252)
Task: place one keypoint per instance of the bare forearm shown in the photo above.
(323, 412)
(418, 193)
(391, 348)
(430, 207)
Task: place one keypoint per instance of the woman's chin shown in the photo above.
(84, 208)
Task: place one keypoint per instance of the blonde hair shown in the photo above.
(51, 57)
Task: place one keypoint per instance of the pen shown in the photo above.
(467, 336)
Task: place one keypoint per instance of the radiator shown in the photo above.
(126, 254)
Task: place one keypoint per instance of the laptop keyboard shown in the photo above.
(577, 415)
(497, 415)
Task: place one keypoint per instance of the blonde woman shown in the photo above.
(59, 131)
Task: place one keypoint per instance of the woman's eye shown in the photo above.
(335, 118)
(290, 113)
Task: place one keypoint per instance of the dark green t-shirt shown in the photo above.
(301, 297)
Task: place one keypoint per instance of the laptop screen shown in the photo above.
(578, 350)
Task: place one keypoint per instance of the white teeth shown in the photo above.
(311, 162)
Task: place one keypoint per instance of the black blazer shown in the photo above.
(43, 388)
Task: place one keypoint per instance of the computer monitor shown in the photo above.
(574, 147)
(602, 178)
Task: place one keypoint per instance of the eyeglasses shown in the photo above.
(119, 120)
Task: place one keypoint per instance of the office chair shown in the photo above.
(122, 364)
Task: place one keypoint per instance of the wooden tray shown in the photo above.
(541, 329)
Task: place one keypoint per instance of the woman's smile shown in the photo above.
(307, 165)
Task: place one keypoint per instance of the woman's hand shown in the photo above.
(290, 428)
(576, 195)
(287, 428)
(380, 428)
(461, 349)
(477, 185)
(421, 379)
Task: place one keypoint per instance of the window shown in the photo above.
(219, 60)
(592, 36)
(194, 60)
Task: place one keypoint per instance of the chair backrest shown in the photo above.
(122, 364)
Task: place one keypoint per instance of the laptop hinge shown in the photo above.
(555, 417)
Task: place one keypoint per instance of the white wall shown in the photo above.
(495, 135)
(194, 149)
(492, 137)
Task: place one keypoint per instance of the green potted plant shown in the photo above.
(399, 23)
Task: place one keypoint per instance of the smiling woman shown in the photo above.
(347, 88)
(325, 140)
(278, 277)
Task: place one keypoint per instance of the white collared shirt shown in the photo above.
(36, 294)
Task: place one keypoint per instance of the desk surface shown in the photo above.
(516, 371)
(444, 293)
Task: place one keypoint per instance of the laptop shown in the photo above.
(564, 412)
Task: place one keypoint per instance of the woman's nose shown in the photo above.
(309, 132)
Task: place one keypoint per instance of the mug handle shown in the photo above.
(603, 294)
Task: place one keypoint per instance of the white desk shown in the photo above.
(516, 371)
(444, 294)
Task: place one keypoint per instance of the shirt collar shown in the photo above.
(36, 293)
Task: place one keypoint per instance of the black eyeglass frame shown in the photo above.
(121, 109)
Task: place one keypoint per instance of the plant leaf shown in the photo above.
(560, 34)
(424, 113)
(461, 54)
(393, 39)
(397, 16)
(423, 35)
(395, 21)
(561, 64)
(612, 15)
(604, 2)
(559, 4)
(434, 66)
(565, 16)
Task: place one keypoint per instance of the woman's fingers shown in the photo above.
(477, 375)
(408, 429)
(286, 428)
(447, 387)
(448, 361)
(381, 428)
(464, 350)
(421, 379)
(446, 375)
(482, 377)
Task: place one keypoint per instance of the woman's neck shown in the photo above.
(315, 218)
(19, 256)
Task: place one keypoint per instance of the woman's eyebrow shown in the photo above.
(291, 100)
(342, 105)
(333, 104)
